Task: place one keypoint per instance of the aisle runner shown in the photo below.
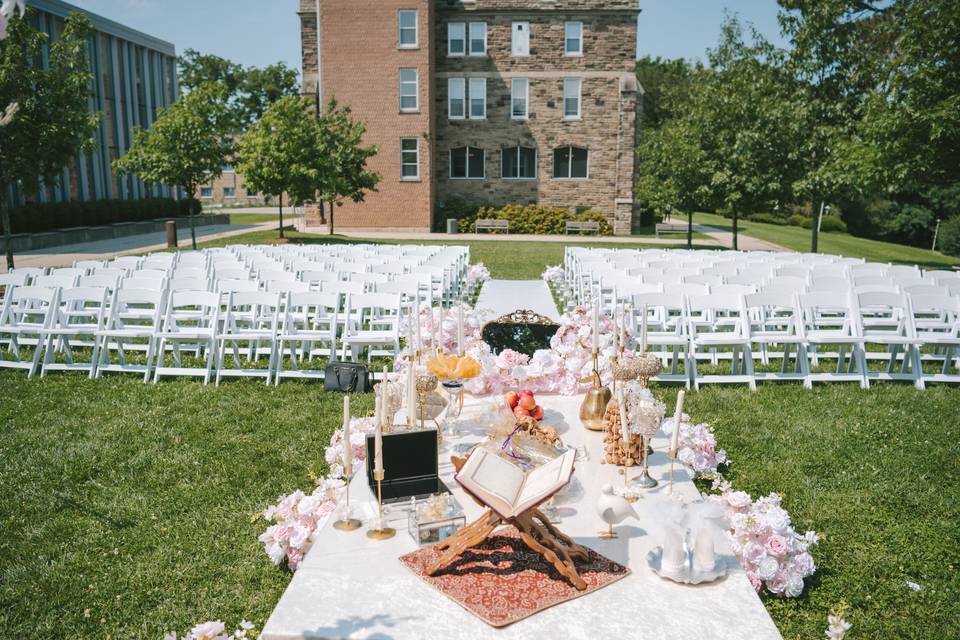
(506, 296)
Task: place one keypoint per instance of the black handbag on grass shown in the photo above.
(348, 377)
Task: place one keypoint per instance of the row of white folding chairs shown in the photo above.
(302, 324)
(688, 329)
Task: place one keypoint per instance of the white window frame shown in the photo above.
(514, 50)
(473, 83)
(234, 194)
(416, 29)
(470, 27)
(416, 152)
(416, 90)
(206, 192)
(566, 38)
(536, 163)
(569, 175)
(467, 164)
(579, 113)
(462, 83)
(514, 97)
(451, 39)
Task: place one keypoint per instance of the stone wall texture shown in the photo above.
(360, 64)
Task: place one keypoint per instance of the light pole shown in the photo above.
(936, 231)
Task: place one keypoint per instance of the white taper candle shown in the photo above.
(677, 416)
(347, 447)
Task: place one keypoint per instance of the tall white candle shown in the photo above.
(623, 327)
(418, 345)
(624, 421)
(643, 331)
(596, 324)
(616, 330)
(460, 344)
(411, 394)
(677, 416)
(383, 398)
(439, 343)
(347, 447)
(378, 450)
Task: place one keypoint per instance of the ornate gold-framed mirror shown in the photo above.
(523, 331)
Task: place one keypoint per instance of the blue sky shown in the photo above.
(259, 32)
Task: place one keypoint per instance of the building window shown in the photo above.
(478, 38)
(229, 192)
(456, 98)
(456, 38)
(409, 158)
(570, 162)
(518, 163)
(206, 192)
(478, 98)
(571, 98)
(573, 40)
(467, 163)
(407, 19)
(252, 193)
(408, 90)
(227, 167)
(520, 44)
(518, 101)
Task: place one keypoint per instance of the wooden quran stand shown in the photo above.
(535, 530)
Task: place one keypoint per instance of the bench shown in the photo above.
(491, 224)
(583, 225)
(668, 229)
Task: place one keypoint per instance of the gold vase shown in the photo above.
(595, 402)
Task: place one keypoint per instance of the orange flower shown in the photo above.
(467, 368)
(453, 368)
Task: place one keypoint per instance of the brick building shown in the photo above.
(134, 74)
(230, 189)
(492, 101)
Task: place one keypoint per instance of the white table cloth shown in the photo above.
(349, 586)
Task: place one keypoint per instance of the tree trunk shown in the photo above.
(331, 217)
(191, 216)
(321, 205)
(815, 230)
(736, 217)
(690, 229)
(281, 215)
(7, 230)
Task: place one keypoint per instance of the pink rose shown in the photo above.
(754, 581)
(776, 545)
(754, 552)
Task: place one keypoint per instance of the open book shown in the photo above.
(506, 488)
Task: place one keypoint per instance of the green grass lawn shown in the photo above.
(506, 260)
(129, 509)
(254, 218)
(842, 244)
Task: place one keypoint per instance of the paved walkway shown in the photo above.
(64, 256)
(506, 296)
(746, 243)
(394, 234)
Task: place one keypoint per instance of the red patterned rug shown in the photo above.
(503, 580)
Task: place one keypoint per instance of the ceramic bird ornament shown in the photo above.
(612, 509)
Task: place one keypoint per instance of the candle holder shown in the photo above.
(346, 523)
(645, 480)
(595, 401)
(425, 383)
(381, 532)
(644, 414)
(647, 367)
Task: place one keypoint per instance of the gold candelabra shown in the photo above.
(346, 523)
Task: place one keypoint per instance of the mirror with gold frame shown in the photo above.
(523, 331)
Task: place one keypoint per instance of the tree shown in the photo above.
(186, 147)
(53, 121)
(281, 152)
(664, 83)
(348, 177)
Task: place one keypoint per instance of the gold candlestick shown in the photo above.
(382, 532)
(347, 523)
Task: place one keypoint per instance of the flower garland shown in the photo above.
(697, 446)
(760, 533)
(215, 630)
(298, 516)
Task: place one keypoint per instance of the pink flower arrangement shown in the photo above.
(761, 534)
(697, 446)
(446, 321)
(554, 274)
(216, 630)
(477, 274)
(298, 516)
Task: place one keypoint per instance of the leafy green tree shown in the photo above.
(342, 143)
(53, 119)
(660, 78)
(186, 147)
(281, 152)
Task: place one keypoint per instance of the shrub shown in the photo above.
(831, 224)
(799, 220)
(948, 241)
(42, 217)
(535, 219)
(768, 218)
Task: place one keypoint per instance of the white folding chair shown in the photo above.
(828, 321)
(191, 319)
(936, 321)
(80, 313)
(371, 322)
(666, 331)
(188, 284)
(26, 313)
(132, 325)
(884, 319)
(159, 261)
(250, 319)
(719, 322)
(772, 321)
(309, 329)
(58, 281)
(89, 266)
(127, 263)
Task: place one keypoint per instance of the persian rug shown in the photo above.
(503, 580)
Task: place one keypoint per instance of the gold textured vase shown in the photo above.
(595, 404)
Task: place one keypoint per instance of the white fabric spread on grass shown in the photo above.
(506, 296)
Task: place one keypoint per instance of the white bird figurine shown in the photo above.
(612, 509)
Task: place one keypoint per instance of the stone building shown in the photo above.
(492, 101)
(134, 74)
(230, 189)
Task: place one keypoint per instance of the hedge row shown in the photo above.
(828, 224)
(38, 218)
(529, 219)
